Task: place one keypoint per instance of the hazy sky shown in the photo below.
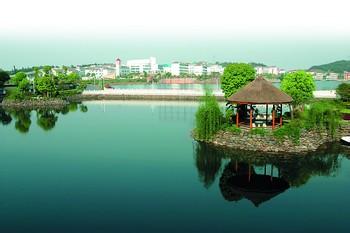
(290, 34)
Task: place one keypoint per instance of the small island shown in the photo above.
(261, 117)
(44, 88)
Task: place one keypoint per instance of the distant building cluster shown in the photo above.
(150, 66)
(346, 75)
(330, 76)
(274, 70)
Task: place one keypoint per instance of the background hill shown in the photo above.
(336, 67)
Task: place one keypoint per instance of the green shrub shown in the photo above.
(291, 131)
(234, 129)
(258, 131)
(343, 91)
(228, 114)
(209, 117)
(323, 115)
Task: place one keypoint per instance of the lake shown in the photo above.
(320, 85)
(133, 167)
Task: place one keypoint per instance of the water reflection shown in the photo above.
(46, 118)
(260, 177)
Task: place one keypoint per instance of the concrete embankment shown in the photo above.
(168, 94)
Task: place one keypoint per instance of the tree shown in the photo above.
(45, 85)
(4, 77)
(19, 77)
(343, 91)
(300, 86)
(236, 76)
(208, 117)
(24, 86)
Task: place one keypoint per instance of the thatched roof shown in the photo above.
(260, 91)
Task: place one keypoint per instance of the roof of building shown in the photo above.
(260, 91)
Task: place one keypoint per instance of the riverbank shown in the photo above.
(310, 140)
(168, 94)
(34, 104)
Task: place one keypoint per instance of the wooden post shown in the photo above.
(273, 118)
(237, 117)
(267, 112)
(281, 116)
(251, 117)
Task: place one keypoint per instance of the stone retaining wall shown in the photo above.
(309, 141)
(34, 104)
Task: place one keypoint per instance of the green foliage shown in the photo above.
(323, 115)
(258, 131)
(208, 117)
(228, 114)
(336, 67)
(300, 86)
(45, 85)
(19, 76)
(233, 129)
(236, 76)
(24, 85)
(291, 131)
(343, 91)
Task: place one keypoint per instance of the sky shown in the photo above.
(290, 34)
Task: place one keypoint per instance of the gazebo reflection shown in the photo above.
(259, 177)
(240, 180)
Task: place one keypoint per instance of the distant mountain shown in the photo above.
(336, 67)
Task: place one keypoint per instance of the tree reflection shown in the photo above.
(207, 166)
(5, 118)
(23, 120)
(46, 118)
(259, 177)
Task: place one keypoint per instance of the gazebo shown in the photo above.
(259, 92)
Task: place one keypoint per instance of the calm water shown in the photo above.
(133, 167)
(320, 85)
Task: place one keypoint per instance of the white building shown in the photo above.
(318, 76)
(332, 76)
(197, 69)
(268, 70)
(143, 65)
(178, 68)
(99, 72)
(215, 69)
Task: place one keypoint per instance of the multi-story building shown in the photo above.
(197, 69)
(268, 70)
(332, 76)
(165, 68)
(318, 76)
(178, 68)
(121, 70)
(346, 75)
(99, 72)
(143, 65)
(215, 69)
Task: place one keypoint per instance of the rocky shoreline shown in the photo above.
(309, 141)
(34, 104)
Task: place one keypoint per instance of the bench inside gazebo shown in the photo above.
(259, 94)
